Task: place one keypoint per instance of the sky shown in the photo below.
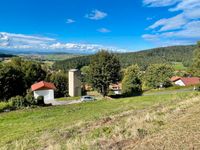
(90, 25)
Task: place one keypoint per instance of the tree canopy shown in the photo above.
(60, 80)
(12, 82)
(196, 61)
(158, 75)
(104, 70)
(17, 76)
(131, 83)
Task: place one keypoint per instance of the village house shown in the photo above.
(44, 89)
(185, 81)
(116, 88)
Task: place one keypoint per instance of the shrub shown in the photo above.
(40, 101)
(18, 102)
(198, 87)
(5, 105)
(30, 99)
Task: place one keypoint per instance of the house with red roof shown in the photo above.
(45, 89)
(185, 81)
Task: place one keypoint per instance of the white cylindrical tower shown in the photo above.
(74, 83)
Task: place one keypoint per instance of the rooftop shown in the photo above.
(42, 85)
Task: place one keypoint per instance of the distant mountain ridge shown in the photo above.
(143, 58)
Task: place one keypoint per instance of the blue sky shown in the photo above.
(89, 25)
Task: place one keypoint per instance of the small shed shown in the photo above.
(44, 89)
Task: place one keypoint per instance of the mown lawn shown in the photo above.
(27, 127)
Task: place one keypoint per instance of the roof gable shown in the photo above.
(42, 85)
(175, 78)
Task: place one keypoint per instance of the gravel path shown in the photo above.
(56, 103)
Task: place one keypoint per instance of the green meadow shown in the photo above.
(51, 127)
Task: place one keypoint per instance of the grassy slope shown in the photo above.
(181, 131)
(54, 126)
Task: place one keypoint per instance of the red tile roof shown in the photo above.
(175, 78)
(42, 85)
(190, 81)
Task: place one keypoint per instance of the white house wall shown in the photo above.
(180, 83)
(47, 94)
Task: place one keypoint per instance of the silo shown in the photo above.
(74, 82)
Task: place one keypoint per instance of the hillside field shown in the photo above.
(131, 123)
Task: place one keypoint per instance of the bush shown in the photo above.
(5, 105)
(30, 99)
(198, 88)
(40, 101)
(18, 102)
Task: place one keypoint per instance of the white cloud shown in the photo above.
(103, 30)
(23, 42)
(12, 40)
(170, 23)
(96, 15)
(188, 35)
(159, 3)
(186, 4)
(69, 21)
(184, 27)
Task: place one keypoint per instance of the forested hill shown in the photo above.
(5, 55)
(142, 58)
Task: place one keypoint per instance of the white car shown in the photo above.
(87, 98)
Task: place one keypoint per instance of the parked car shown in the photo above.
(87, 98)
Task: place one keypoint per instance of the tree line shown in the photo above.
(165, 55)
(17, 76)
(105, 69)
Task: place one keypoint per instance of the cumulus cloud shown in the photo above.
(23, 42)
(184, 27)
(96, 15)
(69, 21)
(103, 30)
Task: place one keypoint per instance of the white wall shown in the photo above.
(47, 94)
(180, 83)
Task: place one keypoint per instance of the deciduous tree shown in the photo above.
(158, 75)
(131, 83)
(195, 70)
(104, 70)
(61, 82)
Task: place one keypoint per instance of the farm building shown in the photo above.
(44, 89)
(116, 88)
(185, 81)
(74, 82)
